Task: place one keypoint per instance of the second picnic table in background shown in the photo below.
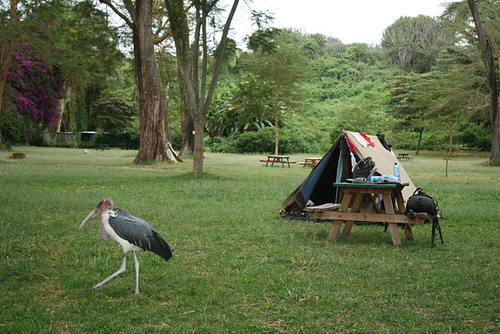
(279, 159)
(313, 162)
(404, 156)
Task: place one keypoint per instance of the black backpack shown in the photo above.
(363, 168)
(421, 202)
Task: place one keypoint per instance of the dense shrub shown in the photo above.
(255, 141)
(408, 140)
(127, 138)
(474, 135)
(14, 128)
(263, 141)
(37, 139)
(467, 135)
(176, 139)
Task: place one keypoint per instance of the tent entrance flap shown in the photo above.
(308, 186)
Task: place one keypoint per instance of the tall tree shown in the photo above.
(491, 76)
(281, 65)
(414, 43)
(92, 43)
(153, 140)
(408, 110)
(200, 93)
(187, 116)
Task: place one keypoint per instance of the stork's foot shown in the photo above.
(97, 286)
(136, 292)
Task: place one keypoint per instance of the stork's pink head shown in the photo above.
(105, 204)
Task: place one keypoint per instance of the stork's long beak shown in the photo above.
(92, 215)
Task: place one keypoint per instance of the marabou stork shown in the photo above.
(130, 232)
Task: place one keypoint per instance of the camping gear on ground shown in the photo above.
(421, 202)
(337, 166)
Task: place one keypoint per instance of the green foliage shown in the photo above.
(246, 142)
(246, 107)
(14, 128)
(448, 94)
(262, 141)
(38, 139)
(126, 137)
(359, 114)
(416, 81)
(263, 40)
(398, 88)
(413, 43)
(77, 39)
(283, 67)
(474, 135)
(348, 75)
(310, 47)
(88, 43)
(113, 111)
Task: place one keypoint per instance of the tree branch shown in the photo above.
(162, 38)
(130, 8)
(220, 57)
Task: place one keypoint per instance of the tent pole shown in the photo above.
(339, 174)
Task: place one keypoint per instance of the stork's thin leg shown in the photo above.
(136, 274)
(121, 270)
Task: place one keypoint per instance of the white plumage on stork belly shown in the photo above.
(132, 233)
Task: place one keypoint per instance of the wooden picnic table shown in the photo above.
(350, 209)
(404, 156)
(279, 159)
(102, 147)
(313, 162)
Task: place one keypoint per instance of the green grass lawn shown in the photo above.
(239, 267)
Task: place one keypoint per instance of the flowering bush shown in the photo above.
(33, 89)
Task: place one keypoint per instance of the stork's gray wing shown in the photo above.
(139, 233)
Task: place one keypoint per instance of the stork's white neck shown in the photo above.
(104, 226)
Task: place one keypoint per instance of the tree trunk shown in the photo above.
(61, 110)
(199, 121)
(187, 117)
(5, 64)
(171, 154)
(187, 121)
(152, 141)
(419, 141)
(276, 132)
(152, 146)
(187, 107)
(6, 57)
(4, 70)
(198, 99)
(489, 67)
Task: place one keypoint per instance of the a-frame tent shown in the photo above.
(336, 166)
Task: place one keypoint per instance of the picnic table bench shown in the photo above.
(278, 159)
(404, 156)
(350, 209)
(313, 162)
(102, 147)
